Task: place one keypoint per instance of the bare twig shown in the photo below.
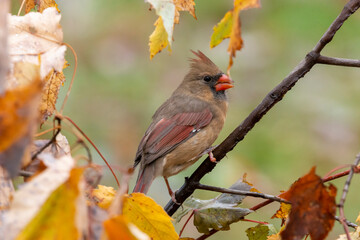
(338, 61)
(273, 97)
(72, 78)
(240, 192)
(350, 224)
(91, 142)
(24, 173)
(52, 140)
(343, 197)
(187, 220)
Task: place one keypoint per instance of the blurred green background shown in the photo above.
(117, 89)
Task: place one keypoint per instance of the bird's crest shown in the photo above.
(202, 62)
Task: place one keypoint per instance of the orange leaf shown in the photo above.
(119, 228)
(29, 4)
(313, 208)
(18, 115)
(283, 211)
(231, 20)
(184, 5)
(245, 4)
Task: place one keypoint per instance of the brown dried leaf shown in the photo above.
(313, 208)
(53, 81)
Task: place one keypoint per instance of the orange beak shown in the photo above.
(223, 83)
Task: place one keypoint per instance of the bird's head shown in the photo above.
(205, 78)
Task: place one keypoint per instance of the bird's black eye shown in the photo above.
(207, 78)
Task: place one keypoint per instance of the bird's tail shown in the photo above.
(145, 178)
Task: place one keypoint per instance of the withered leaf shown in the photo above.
(313, 208)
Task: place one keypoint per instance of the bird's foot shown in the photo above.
(212, 158)
(211, 155)
(171, 193)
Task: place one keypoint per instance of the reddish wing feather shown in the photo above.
(168, 133)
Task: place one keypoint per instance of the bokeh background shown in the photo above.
(117, 89)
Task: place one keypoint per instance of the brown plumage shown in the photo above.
(186, 125)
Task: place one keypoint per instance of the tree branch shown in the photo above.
(338, 61)
(240, 192)
(273, 97)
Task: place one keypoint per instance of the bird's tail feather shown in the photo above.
(145, 178)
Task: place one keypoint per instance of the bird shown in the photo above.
(185, 126)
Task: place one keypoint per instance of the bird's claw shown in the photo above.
(173, 198)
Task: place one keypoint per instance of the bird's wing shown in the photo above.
(166, 134)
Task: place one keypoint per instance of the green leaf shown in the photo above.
(259, 232)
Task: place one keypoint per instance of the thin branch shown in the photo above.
(350, 224)
(187, 221)
(94, 146)
(52, 140)
(343, 197)
(338, 61)
(273, 97)
(240, 192)
(72, 78)
(24, 173)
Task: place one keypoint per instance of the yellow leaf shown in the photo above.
(119, 228)
(158, 39)
(149, 217)
(283, 211)
(57, 217)
(166, 10)
(53, 81)
(358, 219)
(104, 196)
(222, 30)
(184, 5)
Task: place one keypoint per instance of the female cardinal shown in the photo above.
(185, 126)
